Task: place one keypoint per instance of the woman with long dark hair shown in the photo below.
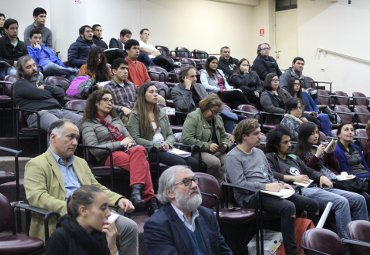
(102, 127)
(2, 20)
(214, 80)
(96, 66)
(149, 126)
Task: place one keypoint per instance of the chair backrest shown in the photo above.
(359, 98)
(162, 88)
(182, 52)
(6, 213)
(11, 78)
(323, 97)
(362, 118)
(322, 240)
(163, 50)
(361, 137)
(343, 98)
(76, 104)
(359, 230)
(250, 112)
(200, 54)
(345, 114)
(158, 73)
(187, 62)
(309, 82)
(209, 185)
(58, 81)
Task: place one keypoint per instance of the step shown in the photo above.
(7, 163)
(8, 190)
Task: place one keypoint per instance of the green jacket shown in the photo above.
(197, 131)
(147, 139)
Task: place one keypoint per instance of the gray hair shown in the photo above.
(21, 61)
(57, 126)
(166, 182)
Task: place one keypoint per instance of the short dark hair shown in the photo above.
(184, 72)
(297, 59)
(268, 80)
(37, 11)
(117, 62)
(292, 103)
(130, 43)
(125, 31)
(95, 26)
(83, 28)
(245, 127)
(224, 47)
(21, 61)
(2, 15)
(340, 127)
(9, 22)
(273, 138)
(35, 31)
(144, 29)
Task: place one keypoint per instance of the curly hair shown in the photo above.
(273, 138)
(91, 109)
(99, 69)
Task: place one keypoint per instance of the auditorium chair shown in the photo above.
(345, 114)
(76, 105)
(359, 230)
(58, 81)
(10, 176)
(341, 98)
(360, 98)
(362, 115)
(163, 50)
(182, 52)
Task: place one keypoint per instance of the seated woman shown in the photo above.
(248, 81)
(86, 228)
(214, 80)
(102, 127)
(293, 118)
(96, 66)
(367, 146)
(322, 159)
(311, 111)
(349, 155)
(149, 126)
(273, 98)
(204, 127)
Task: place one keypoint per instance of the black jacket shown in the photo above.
(100, 43)
(265, 65)
(227, 66)
(78, 52)
(247, 82)
(9, 53)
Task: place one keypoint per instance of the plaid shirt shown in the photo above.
(123, 94)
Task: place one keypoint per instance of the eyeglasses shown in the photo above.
(105, 99)
(188, 181)
(266, 48)
(275, 80)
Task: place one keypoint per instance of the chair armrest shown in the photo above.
(47, 215)
(355, 242)
(252, 114)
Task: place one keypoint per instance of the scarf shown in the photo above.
(113, 130)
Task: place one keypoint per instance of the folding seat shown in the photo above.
(341, 98)
(359, 230)
(360, 98)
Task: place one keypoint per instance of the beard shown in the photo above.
(189, 202)
(33, 78)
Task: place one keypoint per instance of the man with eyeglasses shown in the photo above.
(39, 17)
(295, 71)
(226, 63)
(264, 63)
(182, 226)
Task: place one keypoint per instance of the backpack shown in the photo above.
(81, 87)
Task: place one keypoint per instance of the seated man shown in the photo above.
(39, 16)
(288, 167)
(51, 178)
(247, 166)
(47, 62)
(31, 94)
(294, 71)
(97, 37)
(124, 36)
(148, 50)
(226, 63)
(181, 226)
(79, 50)
(137, 72)
(11, 48)
(123, 91)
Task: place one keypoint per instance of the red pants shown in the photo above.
(135, 161)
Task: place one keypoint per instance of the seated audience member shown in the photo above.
(248, 81)
(264, 63)
(81, 231)
(47, 62)
(79, 50)
(349, 155)
(52, 177)
(322, 159)
(124, 36)
(247, 166)
(311, 110)
(295, 71)
(39, 17)
(226, 63)
(182, 226)
(204, 127)
(367, 147)
(123, 91)
(293, 118)
(11, 48)
(148, 49)
(137, 72)
(347, 206)
(214, 80)
(97, 36)
(102, 127)
(30, 94)
(2, 20)
(273, 98)
(149, 126)
(96, 66)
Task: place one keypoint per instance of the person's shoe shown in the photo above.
(136, 199)
(152, 206)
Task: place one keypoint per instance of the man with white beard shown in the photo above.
(181, 226)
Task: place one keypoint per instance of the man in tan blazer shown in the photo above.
(51, 178)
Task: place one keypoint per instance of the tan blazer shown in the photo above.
(44, 185)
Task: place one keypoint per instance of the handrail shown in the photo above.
(320, 50)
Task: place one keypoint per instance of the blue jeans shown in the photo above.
(344, 203)
(53, 69)
(7, 71)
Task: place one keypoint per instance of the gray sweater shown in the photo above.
(248, 170)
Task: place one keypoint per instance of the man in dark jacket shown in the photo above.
(97, 37)
(11, 48)
(30, 94)
(226, 63)
(79, 50)
(265, 64)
